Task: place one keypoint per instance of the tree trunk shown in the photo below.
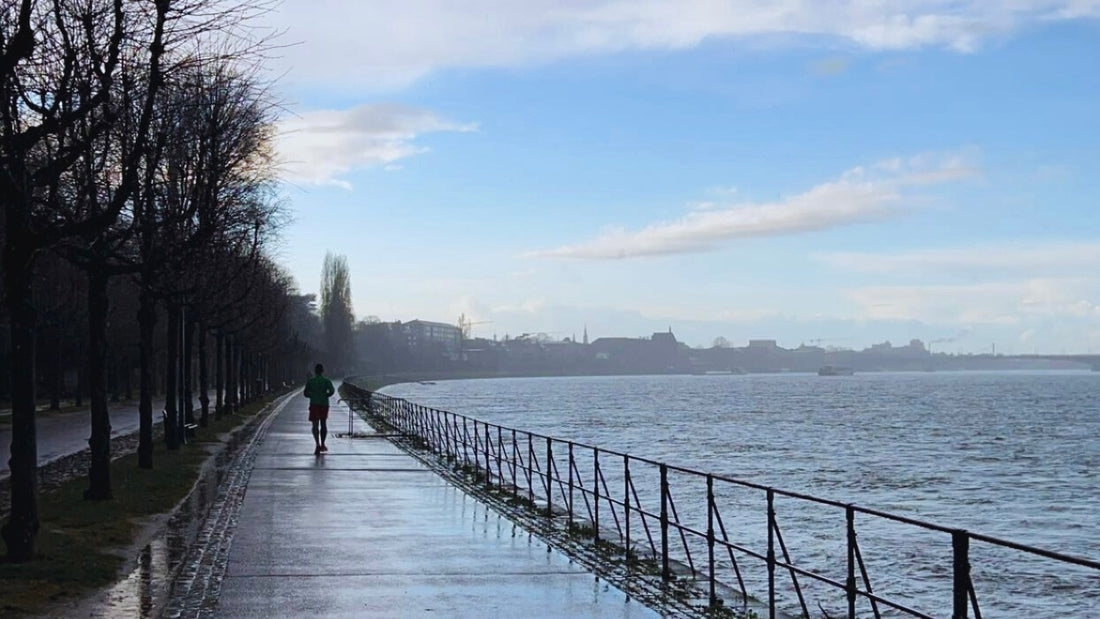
(188, 373)
(171, 424)
(99, 472)
(22, 527)
(230, 378)
(81, 376)
(147, 320)
(128, 379)
(246, 379)
(204, 380)
(238, 394)
(219, 377)
(56, 372)
(113, 383)
(242, 381)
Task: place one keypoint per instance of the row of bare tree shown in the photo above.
(135, 145)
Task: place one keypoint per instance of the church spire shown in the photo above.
(586, 333)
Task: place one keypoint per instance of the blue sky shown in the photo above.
(839, 170)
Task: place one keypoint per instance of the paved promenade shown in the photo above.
(367, 531)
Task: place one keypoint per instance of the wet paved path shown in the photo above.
(367, 531)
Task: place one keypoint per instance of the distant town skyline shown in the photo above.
(935, 346)
(846, 171)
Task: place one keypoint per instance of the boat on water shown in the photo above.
(835, 370)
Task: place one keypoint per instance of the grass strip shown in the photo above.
(81, 544)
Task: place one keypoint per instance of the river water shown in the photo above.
(1007, 454)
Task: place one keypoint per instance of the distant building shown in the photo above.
(659, 353)
(764, 344)
(423, 334)
(763, 356)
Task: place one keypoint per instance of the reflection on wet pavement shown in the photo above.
(364, 530)
(146, 591)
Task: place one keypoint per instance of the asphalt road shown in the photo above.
(66, 433)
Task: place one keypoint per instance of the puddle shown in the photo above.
(146, 591)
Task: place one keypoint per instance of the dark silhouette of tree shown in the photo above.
(207, 196)
(60, 69)
(336, 311)
(83, 132)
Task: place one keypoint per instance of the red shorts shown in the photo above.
(318, 412)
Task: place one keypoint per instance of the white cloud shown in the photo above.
(995, 303)
(528, 306)
(1060, 257)
(321, 146)
(859, 195)
(390, 44)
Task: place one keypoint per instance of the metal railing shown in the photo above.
(599, 489)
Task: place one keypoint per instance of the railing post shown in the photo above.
(549, 478)
(500, 454)
(440, 437)
(425, 425)
(452, 433)
(488, 454)
(850, 584)
(477, 445)
(465, 441)
(448, 426)
(421, 427)
(771, 552)
(626, 505)
(664, 522)
(710, 538)
(570, 508)
(530, 469)
(515, 460)
(596, 491)
(960, 546)
(439, 429)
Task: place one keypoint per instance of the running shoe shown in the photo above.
(317, 451)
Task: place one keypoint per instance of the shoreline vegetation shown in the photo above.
(84, 545)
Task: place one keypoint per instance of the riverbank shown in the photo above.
(374, 382)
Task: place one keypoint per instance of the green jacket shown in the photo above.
(318, 389)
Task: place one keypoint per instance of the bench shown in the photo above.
(188, 428)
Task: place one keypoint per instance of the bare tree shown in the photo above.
(79, 82)
(58, 74)
(336, 310)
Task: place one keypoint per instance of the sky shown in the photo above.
(834, 172)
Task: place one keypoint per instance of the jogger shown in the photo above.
(318, 390)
